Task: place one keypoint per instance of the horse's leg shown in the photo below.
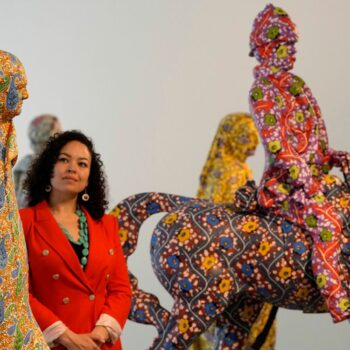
(186, 324)
(145, 307)
(235, 323)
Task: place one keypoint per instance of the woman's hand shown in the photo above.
(74, 341)
(100, 335)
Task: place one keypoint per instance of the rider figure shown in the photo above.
(297, 155)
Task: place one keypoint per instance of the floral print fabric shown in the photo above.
(297, 154)
(18, 328)
(221, 265)
(226, 169)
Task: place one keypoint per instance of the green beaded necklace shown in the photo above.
(83, 236)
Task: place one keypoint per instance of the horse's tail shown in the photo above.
(134, 210)
(146, 309)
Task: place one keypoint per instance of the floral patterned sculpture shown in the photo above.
(298, 157)
(226, 170)
(18, 329)
(222, 262)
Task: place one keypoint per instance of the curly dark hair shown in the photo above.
(41, 171)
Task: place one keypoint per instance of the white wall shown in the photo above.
(149, 82)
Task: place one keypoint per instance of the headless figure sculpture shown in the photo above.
(18, 328)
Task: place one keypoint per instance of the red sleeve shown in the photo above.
(44, 316)
(118, 301)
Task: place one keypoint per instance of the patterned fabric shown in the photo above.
(18, 329)
(298, 158)
(272, 27)
(40, 129)
(225, 169)
(145, 307)
(222, 265)
(223, 173)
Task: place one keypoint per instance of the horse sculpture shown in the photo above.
(222, 262)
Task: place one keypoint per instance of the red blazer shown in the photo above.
(59, 288)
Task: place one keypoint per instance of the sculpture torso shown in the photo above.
(292, 131)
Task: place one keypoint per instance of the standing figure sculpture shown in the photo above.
(298, 158)
(224, 172)
(18, 328)
(39, 131)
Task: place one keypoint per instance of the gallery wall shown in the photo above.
(149, 81)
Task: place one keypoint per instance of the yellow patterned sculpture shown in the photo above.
(223, 173)
(18, 328)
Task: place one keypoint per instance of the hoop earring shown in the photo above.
(48, 188)
(85, 197)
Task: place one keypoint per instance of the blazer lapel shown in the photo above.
(49, 230)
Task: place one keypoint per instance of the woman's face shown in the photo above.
(72, 169)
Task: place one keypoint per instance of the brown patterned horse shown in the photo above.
(222, 262)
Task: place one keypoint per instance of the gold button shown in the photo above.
(56, 276)
(111, 252)
(66, 300)
(108, 276)
(92, 297)
(45, 252)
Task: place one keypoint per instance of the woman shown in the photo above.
(79, 287)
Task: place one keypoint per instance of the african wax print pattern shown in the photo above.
(18, 328)
(298, 158)
(226, 169)
(220, 264)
